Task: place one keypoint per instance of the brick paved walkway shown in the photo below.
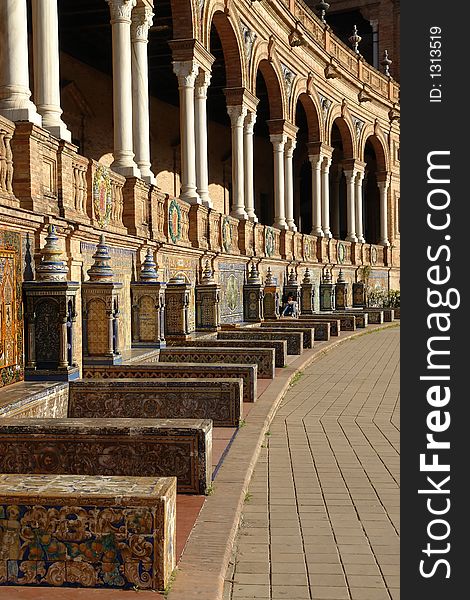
(321, 518)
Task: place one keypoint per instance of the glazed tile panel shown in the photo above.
(180, 371)
(249, 341)
(320, 332)
(262, 357)
(216, 399)
(294, 340)
(133, 447)
(97, 532)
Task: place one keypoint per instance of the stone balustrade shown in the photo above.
(6, 163)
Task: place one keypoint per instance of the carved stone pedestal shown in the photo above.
(253, 294)
(148, 307)
(341, 292)
(177, 296)
(207, 302)
(50, 317)
(359, 294)
(307, 304)
(271, 298)
(100, 302)
(327, 293)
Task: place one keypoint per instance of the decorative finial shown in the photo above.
(207, 274)
(148, 273)
(51, 268)
(327, 277)
(101, 269)
(254, 277)
(341, 278)
(355, 40)
(307, 278)
(177, 279)
(321, 8)
(292, 280)
(386, 62)
(269, 277)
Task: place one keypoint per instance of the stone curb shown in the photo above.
(203, 565)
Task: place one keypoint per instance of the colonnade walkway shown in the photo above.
(321, 518)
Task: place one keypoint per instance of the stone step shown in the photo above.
(262, 357)
(217, 399)
(132, 447)
(158, 370)
(279, 346)
(295, 342)
(94, 532)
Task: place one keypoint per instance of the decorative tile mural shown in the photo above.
(231, 279)
(11, 308)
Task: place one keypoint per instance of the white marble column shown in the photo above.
(187, 71)
(122, 87)
(350, 203)
(359, 204)
(383, 189)
(325, 196)
(237, 116)
(248, 132)
(289, 177)
(315, 161)
(278, 141)
(46, 67)
(15, 94)
(142, 18)
(202, 167)
(336, 209)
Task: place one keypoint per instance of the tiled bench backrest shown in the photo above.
(133, 447)
(279, 346)
(217, 399)
(310, 333)
(295, 342)
(262, 357)
(157, 370)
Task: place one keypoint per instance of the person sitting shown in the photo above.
(291, 308)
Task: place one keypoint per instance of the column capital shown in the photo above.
(250, 121)
(142, 19)
(235, 96)
(315, 160)
(350, 174)
(360, 177)
(326, 164)
(278, 140)
(291, 143)
(203, 81)
(121, 10)
(237, 114)
(319, 148)
(186, 71)
(383, 178)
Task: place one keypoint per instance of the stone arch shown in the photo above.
(184, 18)
(342, 118)
(375, 136)
(312, 110)
(273, 80)
(232, 45)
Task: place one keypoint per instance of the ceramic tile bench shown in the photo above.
(348, 322)
(93, 532)
(157, 370)
(132, 447)
(312, 321)
(318, 332)
(262, 357)
(295, 342)
(279, 346)
(217, 399)
(362, 318)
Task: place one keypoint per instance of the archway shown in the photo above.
(374, 158)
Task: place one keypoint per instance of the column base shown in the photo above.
(191, 198)
(126, 170)
(292, 226)
(317, 233)
(384, 243)
(327, 233)
(253, 218)
(361, 239)
(206, 201)
(280, 225)
(147, 175)
(240, 214)
(59, 130)
(23, 113)
(351, 238)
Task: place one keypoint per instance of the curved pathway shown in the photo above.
(321, 518)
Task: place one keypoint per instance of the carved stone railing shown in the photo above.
(344, 56)
(6, 163)
(378, 255)
(157, 215)
(215, 219)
